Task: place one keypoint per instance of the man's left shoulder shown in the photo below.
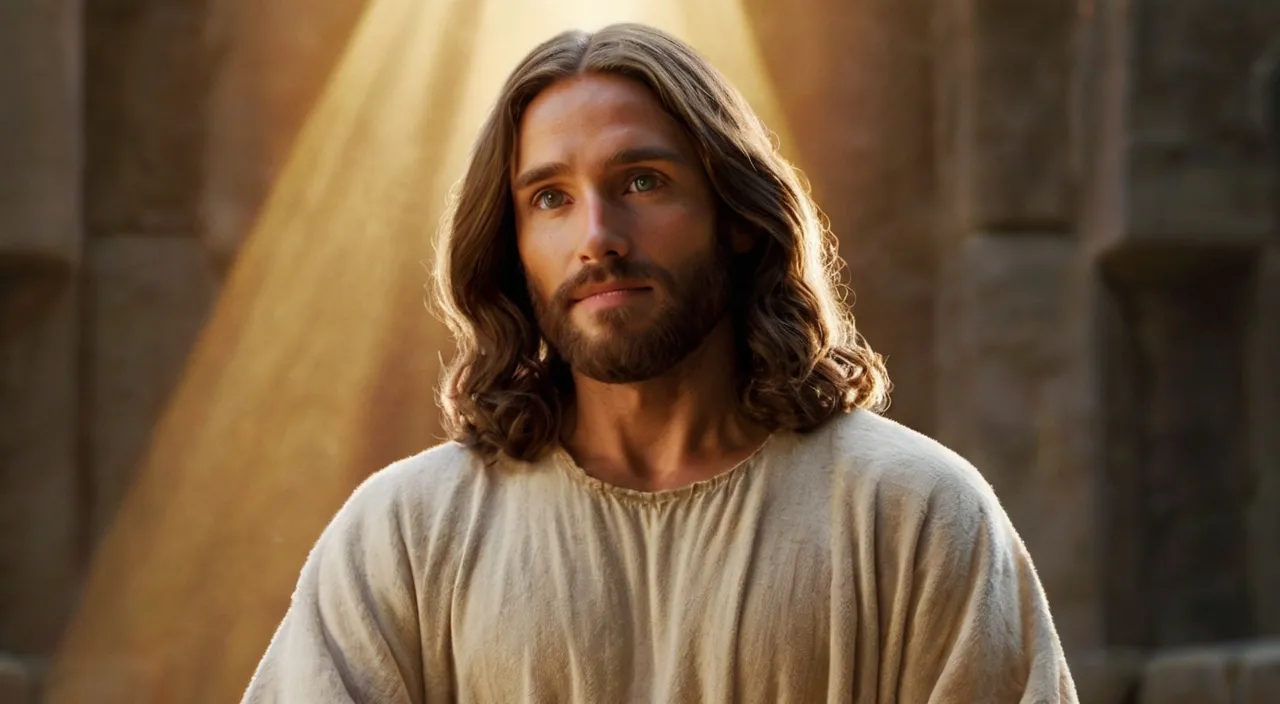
(904, 465)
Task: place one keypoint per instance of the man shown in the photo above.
(666, 480)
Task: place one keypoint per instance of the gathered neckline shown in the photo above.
(701, 487)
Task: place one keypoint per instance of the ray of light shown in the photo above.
(318, 363)
(717, 28)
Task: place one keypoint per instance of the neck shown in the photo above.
(668, 431)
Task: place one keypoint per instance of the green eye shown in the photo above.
(549, 200)
(647, 182)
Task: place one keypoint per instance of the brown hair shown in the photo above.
(802, 359)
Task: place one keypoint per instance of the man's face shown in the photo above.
(616, 230)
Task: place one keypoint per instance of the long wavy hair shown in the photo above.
(801, 357)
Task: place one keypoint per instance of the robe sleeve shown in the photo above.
(351, 633)
(979, 627)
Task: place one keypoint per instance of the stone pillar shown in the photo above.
(1263, 390)
(1013, 354)
(1227, 674)
(149, 279)
(17, 684)
(853, 80)
(1264, 373)
(315, 368)
(149, 298)
(1178, 440)
(148, 68)
(40, 248)
(275, 60)
(1180, 209)
(192, 110)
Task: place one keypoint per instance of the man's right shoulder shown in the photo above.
(439, 485)
(436, 473)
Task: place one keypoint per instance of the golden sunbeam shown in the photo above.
(260, 443)
(318, 364)
(720, 29)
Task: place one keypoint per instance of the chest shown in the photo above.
(671, 606)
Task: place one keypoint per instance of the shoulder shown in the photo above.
(907, 471)
(418, 491)
(441, 469)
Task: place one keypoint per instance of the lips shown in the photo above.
(603, 289)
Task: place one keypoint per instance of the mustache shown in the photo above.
(612, 270)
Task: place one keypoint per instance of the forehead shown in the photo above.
(587, 118)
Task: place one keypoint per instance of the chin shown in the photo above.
(614, 366)
(610, 322)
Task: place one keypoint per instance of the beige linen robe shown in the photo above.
(862, 562)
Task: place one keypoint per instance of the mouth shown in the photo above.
(613, 293)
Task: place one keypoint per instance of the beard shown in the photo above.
(624, 350)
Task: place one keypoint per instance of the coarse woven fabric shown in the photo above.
(861, 562)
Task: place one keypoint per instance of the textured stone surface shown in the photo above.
(1264, 397)
(149, 298)
(274, 60)
(854, 84)
(1014, 346)
(147, 82)
(1103, 124)
(1244, 672)
(1006, 99)
(1190, 677)
(1177, 196)
(39, 157)
(39, 131)
(1177, 446)
(1258, 681)
(1192, 70)
(292, 396)
(17, 685)
(1199, 166)
(1022, 96)
(1108, 677)
(39, 500)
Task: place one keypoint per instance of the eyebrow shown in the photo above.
(622, 157)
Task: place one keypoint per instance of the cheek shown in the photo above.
(540, 264)
(677, 229)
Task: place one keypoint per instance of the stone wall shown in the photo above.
(115, 149)
(1059, 219)
(854, 83)
(41, 309)
(1183, 218)
(1014, 353)
(1107, 295)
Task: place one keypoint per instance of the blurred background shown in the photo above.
(1059, 219)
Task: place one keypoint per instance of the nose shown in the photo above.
(604, 234)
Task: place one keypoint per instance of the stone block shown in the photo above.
(1192, 71)
(39, 132)
(1200, 165)
(40, 557)
(1023, 132)
(1245, 672)
(276, 58)
(149, 299)
(274, 421)
(1176, 444)
(1015, 348)
(1176, 197)
(852, 82)
(148, 70)
(1259, 674)
(1107, 676)
(17, 685)
(1263, 384)
(1202, 676)
(1006, 93)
